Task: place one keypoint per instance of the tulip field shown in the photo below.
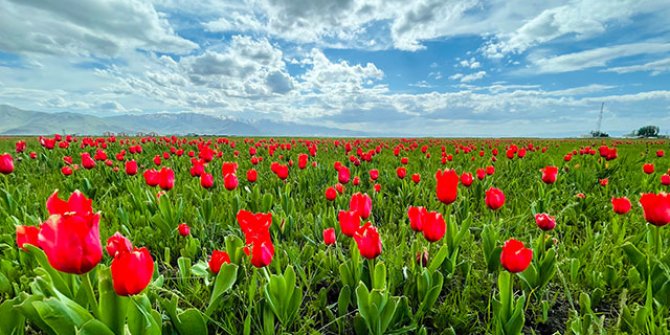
(232, 235)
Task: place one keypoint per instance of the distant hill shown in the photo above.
(14, 121)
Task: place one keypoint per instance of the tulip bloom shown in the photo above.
(481, 174)
(417, 215)
(206, 180)
(665, 179)
(374, 174)
(27, 234)
(447, 186)
(514, 257)
(401, 172)
(549, 174)
(217, 259)
(6, 163)
(656, 208)
(256, 229)
(20, 146)
(362, 203)
(434, 227)
(151, 177)
(343, 175)
(252, 175)
(331, 193)
(329, 236)
(132, 271)
(117, 244)
(230, 181)
(368, 241)
(621, 205)
(131, 167)
(166, 178)
(349, 222)
(184, 229)
(495, 198)
(70, 237)
(466, 179)
(545, 222)
(416, 178)
(648, 168)
(66, 170)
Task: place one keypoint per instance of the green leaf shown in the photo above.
(94, 327)
(225, 280)
(343, 300)
(437, 260)
(12, 320)
(113, 307)
(140, 318)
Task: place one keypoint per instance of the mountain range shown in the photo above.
(15, 121)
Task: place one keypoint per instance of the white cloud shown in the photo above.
(581, 19)
(90, 28)
(597, 57)
(466, 78)
(655, 67)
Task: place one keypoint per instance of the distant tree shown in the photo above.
(596, 133)
(648, 131)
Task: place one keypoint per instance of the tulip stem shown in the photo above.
(659, 241)
(93, 302)
(371, 269)
(266, 273)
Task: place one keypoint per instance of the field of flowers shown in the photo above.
(179, 235)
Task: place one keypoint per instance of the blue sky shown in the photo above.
(384, 67)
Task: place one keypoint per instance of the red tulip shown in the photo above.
(331, 193)
(362, 203)
(368, 241)
(6, 163)
(404, 160)
(70, 237)
(621, 205)
(447, 186)
(157, 160)
(230, 181)
(481, 174)
(659, 153)
(151, 177)
(603, 182)
(27, 234)
(217, 259)
(349, 222)
(262, 253)
(434, 227)
(656, 208)
(20, 146)
(33, 155)
(416, 178)
(131, 167)
(466, 179)
(514, 257)
(66, 170)
(374, 174)
(184, 229)
(132, 271)
(495, 198)
(302, 161)
(329, 236)
(665, 179)
(86, 161)
(282, 171)
(118, 243)
(166, 178)
(339, 188)
(228, 168)
(490, 170)
(545, 222)
(648, 168)
(206, 180)
(343, 175)
(252, 175)
(549, 174)
(417, 215)
(401, 172)
(378, 188)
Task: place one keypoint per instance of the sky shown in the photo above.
(383, 67)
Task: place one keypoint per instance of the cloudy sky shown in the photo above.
(386, 67)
